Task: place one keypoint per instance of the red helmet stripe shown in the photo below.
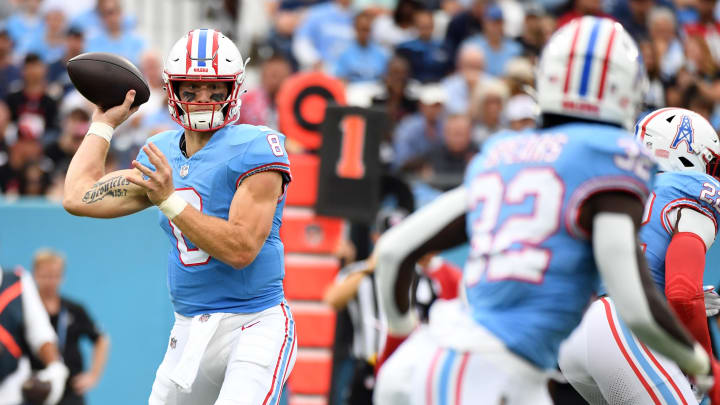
(647, 121)
(606, 62)
(188, 62)
(215, 52)
(571, 56)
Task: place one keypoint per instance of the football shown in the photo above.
(105, 78)
(34, 391)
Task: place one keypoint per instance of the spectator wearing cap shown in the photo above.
(662, 29)
(392, 30)
(428, 57)
(115, 37)
(363, 60)
(706, 27)
(486, 108)
(464, 25)
(532, 39)
(498, 49)
(32, 109)
(74, 127)
(460, 85)
(50, 45)
(10, 75)
(323, 34)
(59, 83)
(581, 8)
(521, 112)
(448, 162)
(419, 133)
(25, 25)
(259, 103)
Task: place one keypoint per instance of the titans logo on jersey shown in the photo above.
(531, 272)
(698, 191)
(208, 180)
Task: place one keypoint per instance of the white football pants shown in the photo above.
(247, 360)
(607, 364)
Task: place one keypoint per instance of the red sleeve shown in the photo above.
(447, 276)
(392, 342)
(684, 268)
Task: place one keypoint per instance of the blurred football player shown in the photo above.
(220, 190)
(24, 325)
(546, 212)
(602, 359)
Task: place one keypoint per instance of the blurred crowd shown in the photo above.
(449, 73)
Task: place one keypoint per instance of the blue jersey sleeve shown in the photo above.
(160, 140)
(698, 191)
(264, 153)
(612, 162)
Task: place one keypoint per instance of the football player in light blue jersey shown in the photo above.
(602, 359)
(547, 214)
(220, 190)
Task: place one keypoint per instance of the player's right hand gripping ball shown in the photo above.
(34, 391)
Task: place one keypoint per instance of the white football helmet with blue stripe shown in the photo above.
(207, 55)
(680, 140)
(591, 69)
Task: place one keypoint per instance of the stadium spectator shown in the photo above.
(10, 76)
(363, 60)
(90, 20)
(655, 97)
(519, 76)
(635, 21)
(59, 83)
(71, 323)
(259, 106)
(24, 25)
(31, 108)
(486, 109)
(26, 152)
(428, 57)
(26, 329)
(448, 162)
(522, 112)
(580, 8)
(323, 34)
(6, 128)
(397, 97)
(464, 25)
(417, 134)
(74, 127)
(461, 84)
(392, 30)
(115, 36)
(498, 49)
(50, 45)
(532, 38)
(286, 16)
(706, 26)
(663, 36)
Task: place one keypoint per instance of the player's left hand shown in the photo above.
(56, 374)
(712, 301)
(159, 184)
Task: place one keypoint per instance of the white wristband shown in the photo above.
(102, 130)
(173, 206)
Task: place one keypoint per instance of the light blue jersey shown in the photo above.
(674, 190)
(531, 272)
(207, 180)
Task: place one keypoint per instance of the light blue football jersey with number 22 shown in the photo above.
(531, 272)
(199, 283)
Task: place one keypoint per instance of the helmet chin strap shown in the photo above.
(201, 119)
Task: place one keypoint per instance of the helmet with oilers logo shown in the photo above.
(680, 140)
(204, 55)
(591, 69)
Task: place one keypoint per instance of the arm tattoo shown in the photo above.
(112, 187)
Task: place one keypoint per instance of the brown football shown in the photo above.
(105, 78)
(34, 391)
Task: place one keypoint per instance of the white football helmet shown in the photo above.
(680, 140)
(207, 55)
(591, 69)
